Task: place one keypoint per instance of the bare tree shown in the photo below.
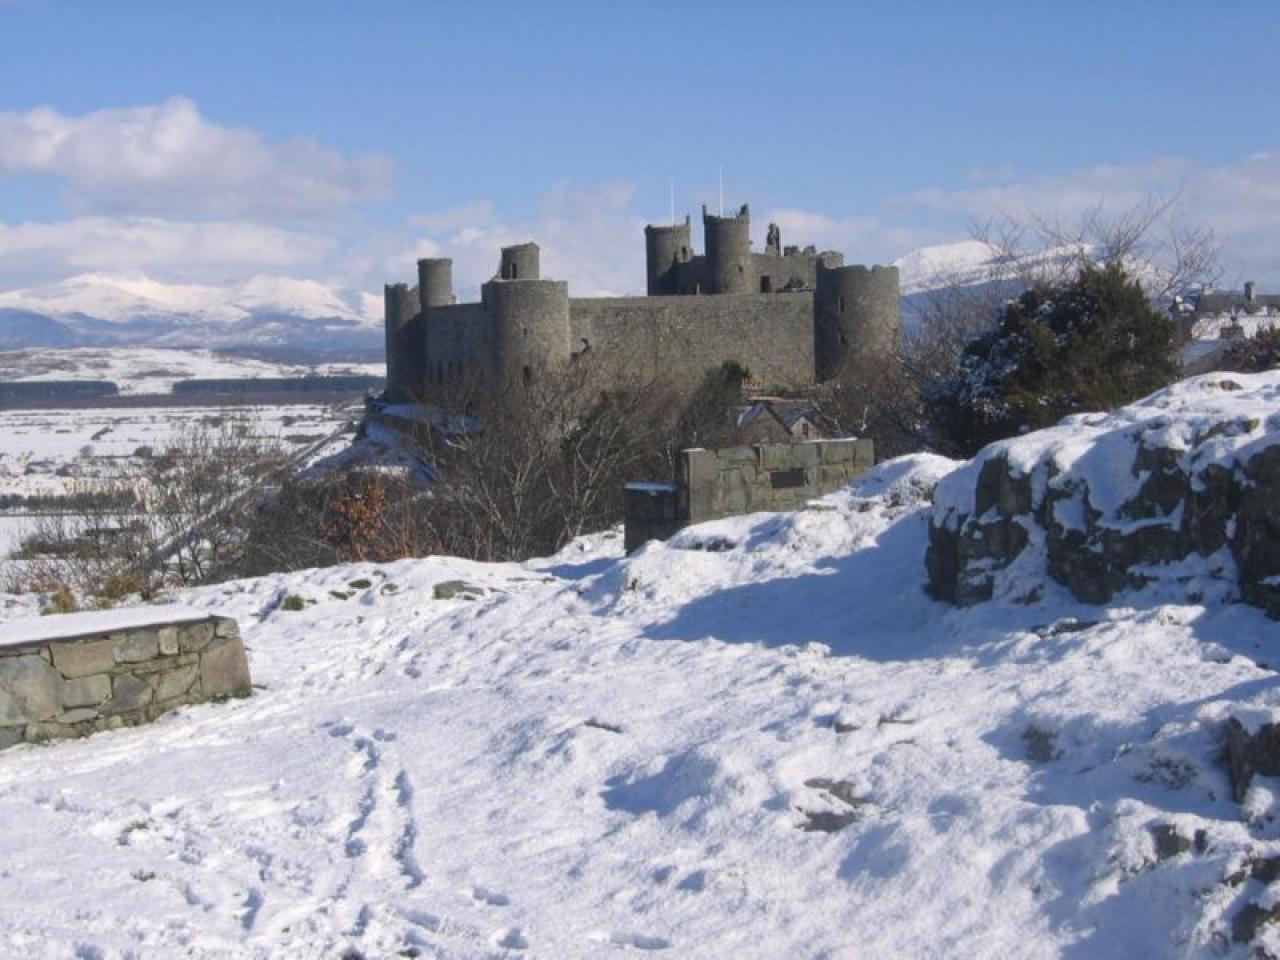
(1152, 240)
(537, 463)
(179, 516)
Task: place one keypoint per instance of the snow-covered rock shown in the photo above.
(1182, 487)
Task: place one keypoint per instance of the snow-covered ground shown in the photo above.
(1211, 327)
(142, 370)
(54, 451)
(760, 739)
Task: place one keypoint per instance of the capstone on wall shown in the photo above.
(56, 687)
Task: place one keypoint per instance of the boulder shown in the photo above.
(1183, 487)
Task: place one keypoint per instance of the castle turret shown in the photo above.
(729, 268)
(406, 343)
(664, 247)
(530, 323)
(435, 282)
(520, 262)
(856, 314)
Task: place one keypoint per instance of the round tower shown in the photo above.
(435, 282)
(520, 262)
(406, 344)
(855, 315)
(664, 247)
(729, 268)
(530, 323)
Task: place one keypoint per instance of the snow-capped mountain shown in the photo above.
(968, 261)
(122, 309)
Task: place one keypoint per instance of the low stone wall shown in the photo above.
(710, 484)
(74, 674)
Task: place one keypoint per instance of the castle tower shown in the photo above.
(406, 343)
(729, 268)
(530, 321)
(856, 314)
(520, 262)
(664, 247)
(435, 282)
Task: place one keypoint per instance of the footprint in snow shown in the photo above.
(639, 941)
(490, 897)
(510, 939)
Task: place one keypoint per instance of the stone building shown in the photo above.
(791, 316)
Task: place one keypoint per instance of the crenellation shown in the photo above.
(791, 315)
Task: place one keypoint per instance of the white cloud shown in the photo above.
(168, 160)
(1239, 201)
(588, 236)
(39, 252)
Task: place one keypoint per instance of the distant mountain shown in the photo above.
(101, 309)
(966, 262)
(280, 316)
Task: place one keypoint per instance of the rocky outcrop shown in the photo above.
(1182, 487)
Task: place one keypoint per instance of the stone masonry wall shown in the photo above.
(54, 687)
(711, 484)
(684, 337)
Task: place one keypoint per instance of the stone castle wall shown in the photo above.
(71, 675)
(711, 484)
(683, 337)
(791, 316)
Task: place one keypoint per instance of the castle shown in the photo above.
(791, 317)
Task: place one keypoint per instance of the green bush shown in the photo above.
(1092, 344)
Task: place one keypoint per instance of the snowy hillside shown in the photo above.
(965, 262)
(758, 740)
(97, 309)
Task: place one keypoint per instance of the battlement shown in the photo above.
(791, 314)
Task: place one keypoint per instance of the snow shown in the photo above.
(1210, 327)
(122, 297)
(601, 755)
(1099, 449)
(142, 370)
(68, 625)
(967, 261)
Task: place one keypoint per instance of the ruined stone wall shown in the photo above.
(683, 337)
(710, 484)
(75, 674)
(768, 476)
(774, 272)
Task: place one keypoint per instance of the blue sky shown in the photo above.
(338, 140)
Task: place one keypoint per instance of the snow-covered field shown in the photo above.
(139, 370)
(760, 739)
(53, 451)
